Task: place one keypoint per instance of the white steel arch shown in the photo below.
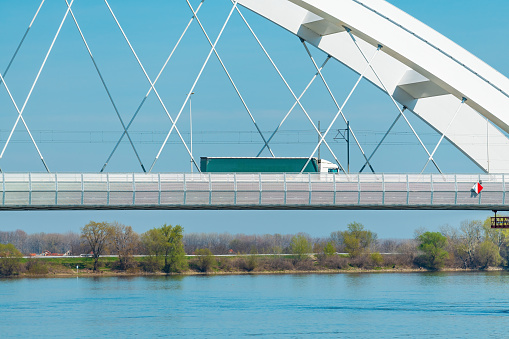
(418, 67)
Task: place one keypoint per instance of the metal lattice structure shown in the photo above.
(420, 71)
(451, 90)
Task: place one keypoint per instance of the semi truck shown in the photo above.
(266, 165)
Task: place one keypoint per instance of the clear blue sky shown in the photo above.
(76, 127)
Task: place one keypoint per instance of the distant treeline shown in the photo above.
(474, 245)
(217, 243)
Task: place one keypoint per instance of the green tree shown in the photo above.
(329, 249)
(167, 241)
(432, 244)
(153, 240)
(174, 254)
(324, 251)
(300, 246)
(357, 240)
(97, 236)
(488, 254)
(497, 236)
(10, 260)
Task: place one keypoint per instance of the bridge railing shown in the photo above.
(320, 190)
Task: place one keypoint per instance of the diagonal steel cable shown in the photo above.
(381, 141)
(21, 43)
(443, 134)
(22, 40)
(288, 86)
(105, 86)
(20, 112)
(297, 100)
(322, 138)
(294, 104)
(392, 98)
(150, 89)
(192, 89)
(24, 123)
(228, 74)
(151, 84)
(337, 105)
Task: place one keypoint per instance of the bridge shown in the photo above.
(33, 191)
(423, 75)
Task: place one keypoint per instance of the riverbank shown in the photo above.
(194, 273)
(233, 265)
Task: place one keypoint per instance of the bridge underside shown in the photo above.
(265, 191)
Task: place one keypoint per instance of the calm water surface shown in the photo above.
(341, 305)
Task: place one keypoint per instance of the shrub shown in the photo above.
(226, 264)
(404, 260)
(248, 264)
(125, 264)
(336, 262)
(377, 259)
(151, 264)
(35, 266)
(361, 261)
(10, 260)
(305, 265)
(205, 261)
(278, 263)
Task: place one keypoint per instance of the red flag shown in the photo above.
(477, 188)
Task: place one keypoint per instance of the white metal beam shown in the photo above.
(410, 46)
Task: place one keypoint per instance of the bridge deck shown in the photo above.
(62, 191)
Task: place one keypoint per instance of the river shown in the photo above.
(352, 305)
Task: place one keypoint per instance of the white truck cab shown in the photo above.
(326, 166)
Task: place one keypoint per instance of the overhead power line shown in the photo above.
(217, 137)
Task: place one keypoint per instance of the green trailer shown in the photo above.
(258, 165)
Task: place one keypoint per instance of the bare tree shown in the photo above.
(472, 234)
(35, 243)
(74, 243)
(54, 242)
(337, 239)
(455, 246)
(124, 241)
(18, 238)
(389, 245)
(408, 252)
(96, 234)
